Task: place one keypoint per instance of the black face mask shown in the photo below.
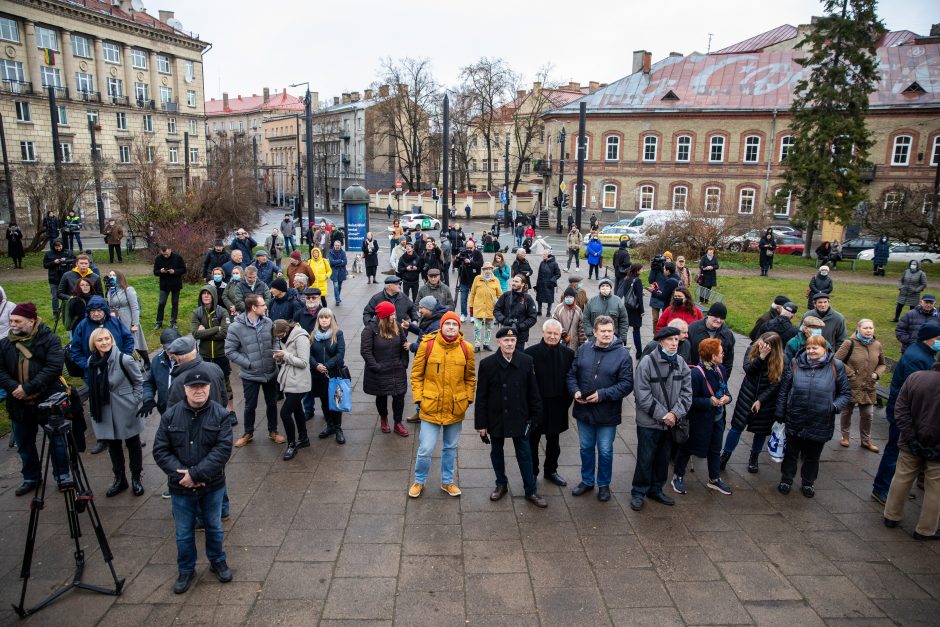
(678, 302)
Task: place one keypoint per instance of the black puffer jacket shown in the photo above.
(516, 309)
(200, 440)
(811, 394)
(756, 386)
(56, 270)
(386, 361)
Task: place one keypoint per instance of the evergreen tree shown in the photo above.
(832, 140)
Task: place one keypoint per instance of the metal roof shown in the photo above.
(241, 104)
(759, 42)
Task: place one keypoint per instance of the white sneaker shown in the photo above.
(463, 318)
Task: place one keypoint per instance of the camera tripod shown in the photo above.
(78, 499)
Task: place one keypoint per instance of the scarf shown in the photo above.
(79, 272)
(864, 340)
(323, 335)
(23, 343)
(671, 359)
(99, 393)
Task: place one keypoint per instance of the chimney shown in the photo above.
(165, 15)
(335, 100)
(520, 94)
(573, 86)
(224, 100)
(637, 61)
(368, 94)
(647, 62)
(675, 54)
(383, 91)
(314, 101)
(403, 89)
(354, 96)
(345, 98)
(536, 86)
(935, 30)
(265, 94)
(593, 86)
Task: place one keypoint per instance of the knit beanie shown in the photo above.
(25, 310)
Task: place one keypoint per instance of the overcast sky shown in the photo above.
(337, 45)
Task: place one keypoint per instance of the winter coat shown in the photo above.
(72, 224)
(51, 226)
(571, 319)
(78, 348)
(507, 396)
(523, 267)
(170, 282)
(291, 270)
(573, 241)
(285, 307)
(669, 314)
(483, 297)
(246, 245)
(267, 271)
(917, 411)
(607, 371)
(911, 322)
(782, 326)
(118, 420)
(157, 382)
(910, 286)
(767, 246)
(660, 298)
(337, 261)
(606, 306)
(321, 270)
(250, 348)
(215, 320)
(757, 329)
(818, 283)
(594, 252)
(386, 361)
(811, 394)
(709, 277)
(125, 303)
(469, 265)
(440, 292)
(42, 377)
(702, 414)
(113, 235)
(274, 244)
(212, 260)
(370, 253)
(834, 331)
(425, 326)
(503, 275)
(197, 439)
(651, 404)
(756, 386)
(552, 364)
(409, 268)
(404, 308)
(917, 357)
(547, 280)
(698, 331)
(229, 265)
(622, 261)
(443, 379)
(56, 270)
(684, 351)
(516, 309)
(634, 315)
(329, 353)
(70, 280)
(431, 261)
(864, 360)
(181, 372)
(236, 291)
(881, 253)
(294, 373)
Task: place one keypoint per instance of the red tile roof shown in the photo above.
(244, 105)
(759, 42)
(558, 97)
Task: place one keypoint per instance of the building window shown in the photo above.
(649, 148)
(23, 113)
(148, 123)
(63, 115)
(115, 87)
(192, 127)
(892, 200)
(27, 151)
(121, 121)
(166, 94)
(190, 71)
(786, 143)
(9, 30)
(124, 154)
(194, 155)
(716, 149)
(647, 196)
(526, 168)
(112, 52)
(902, 150)
(613, 148)
(12, 71)
(65, 150)
(150, 154)
(51, 76)
(746, 200)
(683, 148)
(935, 151)
(782, 206)
(190, 98)
(751, 149)
(47, 38)
(610, 195)
(680, 198)
(141, 92)
(163, 64)
(473, 165)
(241, 126)
(495, 165)
(171, 125)
(85, 83)
(92, 116)
(81, 47)
(712, 199)
(139, 58)
(173, 154)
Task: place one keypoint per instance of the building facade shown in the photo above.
(135, 78)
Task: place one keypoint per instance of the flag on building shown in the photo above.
(49, 56)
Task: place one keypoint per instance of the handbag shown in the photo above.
(340, 392)
(630, 298)
(777, 441)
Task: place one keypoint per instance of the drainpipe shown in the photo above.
(770, 156)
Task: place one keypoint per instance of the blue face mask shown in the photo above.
(815, 332)
(236, 277)
(935, 346)
(668, 353)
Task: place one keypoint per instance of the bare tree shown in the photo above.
(907, 214)
(528, 129)
(48, 189)
(229, 198)
(489, 83)
(326, 153)
(461, 115)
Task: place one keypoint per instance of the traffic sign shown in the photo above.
(398, 185)
(563, 187)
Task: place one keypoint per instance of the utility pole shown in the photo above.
(506, 215)
(308, 134)
(418, 168)
(299, 208)
(561, 180)
(579, 187)
(6, 172)
(445, 209)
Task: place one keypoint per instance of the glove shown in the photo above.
(146, 409)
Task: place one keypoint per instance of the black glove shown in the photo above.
(146, 408)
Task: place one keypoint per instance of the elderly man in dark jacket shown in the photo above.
(546, 281)
(713, 325)
(245, 243)
(516, 309)
(438, 289)
(508, 405)
(192, 445)
(910, 323)
(917, 413)
(404, 306)
(767, 316)
(170, 268)
(600, 377)
(552, 359)
(157, 383)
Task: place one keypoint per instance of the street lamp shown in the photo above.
(308, 136)
(561, 179)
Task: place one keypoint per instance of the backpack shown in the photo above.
(429, 345)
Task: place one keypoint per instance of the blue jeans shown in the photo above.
(734, 436)
(337, 290)
(184, 515)
(652, 461)
(523, 458)
(24, 434)
(464, 294)
(889, 456)
(518, 241)
(201, 520)
(601, 439)
(427, 440)
(289, 243)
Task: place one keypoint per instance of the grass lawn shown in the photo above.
(748, 261)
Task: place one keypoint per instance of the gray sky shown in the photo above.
(337, 45)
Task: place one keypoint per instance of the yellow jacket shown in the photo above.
(483, 296)
(444, 379)
(321, 271)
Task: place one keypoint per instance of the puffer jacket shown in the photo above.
(756, 386)
(123, 338)
(594, 252)
(818, 283)
(606, 370)
(651, 404)
(782, 326)
(910, 324)
(329, 353)
(483, 296)
(197, 439)
(443, 380)
(214, 319)
(285, 307)
(250, 347)
(865, 360)
(321, 270)
(910, 286)
(811, 394)
(236, 291)
(547, 280)
(294, 373)
(606, 306)
(386, 361)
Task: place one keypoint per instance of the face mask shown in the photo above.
(236, 277)
(813, 332)
(569, 300)
(913, 266)
(678, 302)
(111, 280)
(935, 347)
(487, 275)
(668, 353)
(824, 273)
(217, 278)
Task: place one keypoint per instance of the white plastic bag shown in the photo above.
(777, 441)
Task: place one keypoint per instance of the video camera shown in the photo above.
(52, 411)
(657, 264)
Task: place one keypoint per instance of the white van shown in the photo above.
(655, 217)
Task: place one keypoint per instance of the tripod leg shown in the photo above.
(36, 505)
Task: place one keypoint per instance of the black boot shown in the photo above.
(752, 463)
(303, 441)
(119, 485)
(290, 452)
(340, 438)
(725, 456)
(328, 430)
(136, 486)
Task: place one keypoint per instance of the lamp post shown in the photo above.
(308, 136)
(561, 179)
(445, 210)
(506, 183)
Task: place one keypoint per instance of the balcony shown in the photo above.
(170, 106)
(120, 100)
(542, 167)
(144, 103)
(15, 87)
(346, 160)
(88, 96)
(61, 93)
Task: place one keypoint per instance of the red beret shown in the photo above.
(384, 309)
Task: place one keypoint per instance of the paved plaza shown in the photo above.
(331, 538)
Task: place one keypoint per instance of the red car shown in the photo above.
(785, 246)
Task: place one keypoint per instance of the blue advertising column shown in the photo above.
(355, 216)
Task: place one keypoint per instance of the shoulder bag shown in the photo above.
(680, 430)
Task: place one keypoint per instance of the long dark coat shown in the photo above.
(709, 277)
(765, 245)
(702, 415)
(547, 280)
(386, 362)
(370, 253)
(552, 364)
(507, 396)
(756, 386)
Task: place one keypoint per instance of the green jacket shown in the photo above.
(214, 319)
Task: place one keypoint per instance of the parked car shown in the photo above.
(520, 217)
(785, 229)
(749, 240)
(613, 235)
(786, 245)
(904, 252)
(852, 247)
(411, 221)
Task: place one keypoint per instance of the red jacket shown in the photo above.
(669, 314)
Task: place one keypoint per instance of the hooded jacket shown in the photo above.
(811, 394)
(651, 404)
(215, 320)
(425, 326)
(123, 338)
(250, 347)
(756, 386)
(606, 306)
(607, 371)
(386, 361)
(910, 286)
(911, 322)
(337, 261)
(321, 271)
(443, 379)
(70, 279)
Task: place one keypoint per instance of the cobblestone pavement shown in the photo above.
(331, 538)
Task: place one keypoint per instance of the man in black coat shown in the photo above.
(516, 309)
(57, 261)
(469, 264)
(169, 267)
(31, 359)
(767, 316)
(713, 325)
(782, 324)
(215, 258)
(409, 270)
(622, 263)
(546, 282)
(552, 360)
(404, 306)
(508, 405)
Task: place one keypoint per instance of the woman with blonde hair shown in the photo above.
(384, 348)
(115, 391)
(293, 378)
(864, 360)
(327, 355)
(764, 365)
(125, 306)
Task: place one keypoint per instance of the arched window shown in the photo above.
(650, 144)
(610, 195)
(752, 149)
(716, 149)
(683, 148)
(680, 198)
(786, 143)
(901, 155)
(613, 148)
(646, 195)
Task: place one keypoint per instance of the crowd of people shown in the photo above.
(554, 352)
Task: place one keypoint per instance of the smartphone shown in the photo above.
(485, 438)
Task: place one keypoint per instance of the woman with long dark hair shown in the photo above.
(293, 378)
(682, 306)
(75, 306)
(125, 306)
(384, 348)
(327, 355)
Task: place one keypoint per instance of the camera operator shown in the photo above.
(31, 359)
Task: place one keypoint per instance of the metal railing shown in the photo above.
(16, 87)
(169, 105)
(88, 96)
